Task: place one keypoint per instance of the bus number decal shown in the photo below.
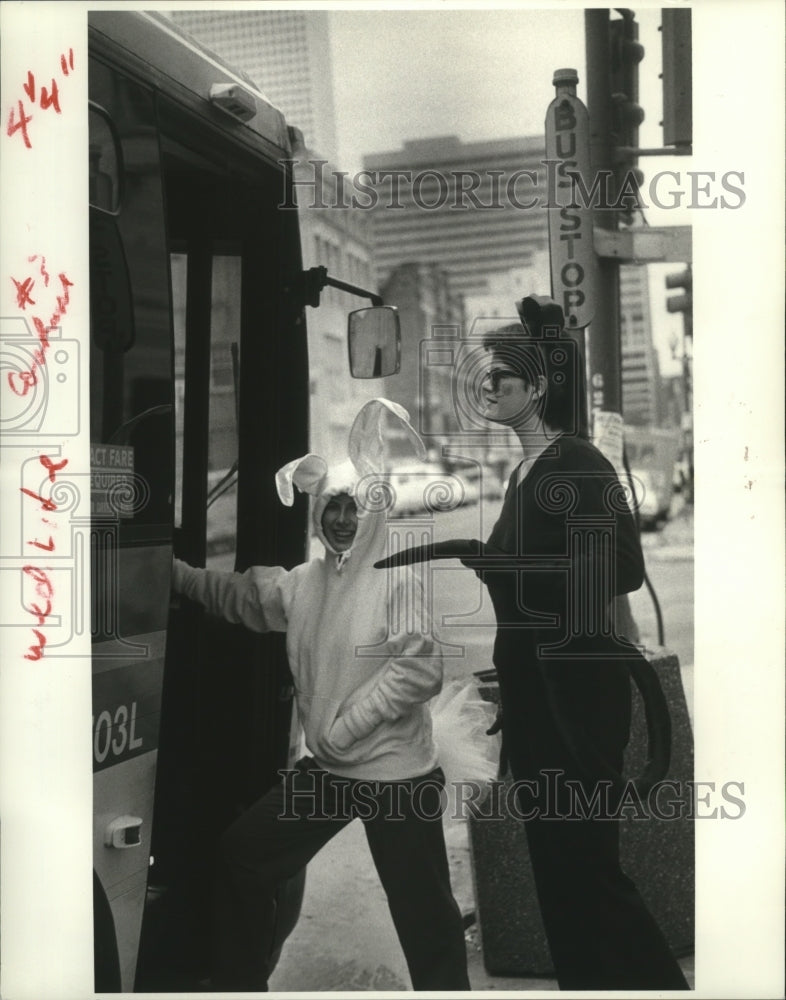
(117, 735)
(126, 711)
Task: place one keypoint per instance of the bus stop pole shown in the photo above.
(604, 350)
(604, 374)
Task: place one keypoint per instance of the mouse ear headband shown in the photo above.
(366, 450)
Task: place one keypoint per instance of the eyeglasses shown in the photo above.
(495, 376)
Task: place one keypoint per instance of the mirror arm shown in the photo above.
(376, 300)
(314, 280)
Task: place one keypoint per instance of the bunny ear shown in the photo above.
(366, 445)
(307, 473)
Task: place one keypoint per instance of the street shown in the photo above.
(668, 558)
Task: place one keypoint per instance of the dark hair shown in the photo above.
(531, 357)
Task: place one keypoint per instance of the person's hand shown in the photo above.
(496, 725)
(339, 737)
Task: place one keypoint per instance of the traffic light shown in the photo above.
(682, 303)
(625, 54)
(676, 77)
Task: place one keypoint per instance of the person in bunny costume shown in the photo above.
(361, 689)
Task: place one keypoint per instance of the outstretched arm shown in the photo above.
(258, 598)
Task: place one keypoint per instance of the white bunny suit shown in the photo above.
(364, 666)
(360, 690)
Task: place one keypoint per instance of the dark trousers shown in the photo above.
(601, 934)
(574, 718)
(281, 833)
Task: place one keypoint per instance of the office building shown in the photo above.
(429, 312)
(642, 397)
(476, 210)
(460, 205)
(339, 241)
(286, 53)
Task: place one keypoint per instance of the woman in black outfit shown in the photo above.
(567, 544)
(564, 546)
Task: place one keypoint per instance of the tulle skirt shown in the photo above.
(467, 755)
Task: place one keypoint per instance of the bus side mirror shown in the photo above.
(374, 339)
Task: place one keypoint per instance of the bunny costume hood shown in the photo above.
(313, 476)
(359, 641)
(359, 476)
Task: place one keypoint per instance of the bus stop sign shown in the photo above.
(573, 261)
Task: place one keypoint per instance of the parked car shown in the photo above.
(652, 455)
(429, 488)
(480, 481)
(649, 499)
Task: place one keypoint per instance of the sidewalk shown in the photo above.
(345, 938)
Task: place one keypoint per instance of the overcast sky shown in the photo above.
(480, 74)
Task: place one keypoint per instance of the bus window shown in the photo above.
(104, 163)
(221, 397)
(178, 263)
(222, 440)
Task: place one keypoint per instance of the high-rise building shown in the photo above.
(339, 241)
(477, 211)
(641, 384)
(286, 53)
(465, 206)
(428, 310)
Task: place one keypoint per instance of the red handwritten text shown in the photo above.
(36, 652)
(41, 609)
(23, 289)
(52, 467)
(20, 125)
(46, 97)
(45, 504)
(21, 382)
(43, 589)
(46, 546)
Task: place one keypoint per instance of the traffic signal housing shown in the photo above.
(625, 54)
(677, 80)
(682, 303)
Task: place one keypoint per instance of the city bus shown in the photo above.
(199, 389)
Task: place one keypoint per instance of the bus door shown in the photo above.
(199, 393)
(241, 411)
(132, 494)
